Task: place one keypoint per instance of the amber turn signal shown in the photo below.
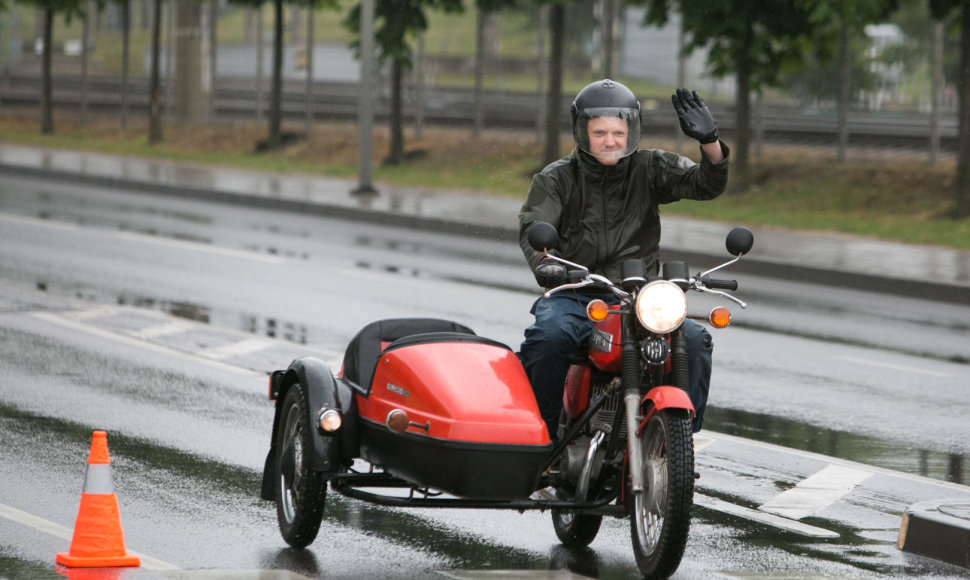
(597, 310)
(720, 317)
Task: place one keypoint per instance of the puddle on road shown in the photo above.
(878, 452)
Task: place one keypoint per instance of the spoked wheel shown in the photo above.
(301, 492)
(660, 516)
(575, 530)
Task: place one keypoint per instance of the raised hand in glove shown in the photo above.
(550, 273)
(695, 119)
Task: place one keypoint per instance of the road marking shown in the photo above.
(894, 367)
(31, 221)
(762, 517)
(131, 341)
(241, 348)
(147, 239)
(702, 441)
(816, 492)
(164, 329)
(195, 246)
(59, 531)
(92, 313)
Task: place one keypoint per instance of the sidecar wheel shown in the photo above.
(301, 492)
(660, 516)
(575, 530)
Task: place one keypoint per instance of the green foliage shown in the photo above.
(396, 22)
(69, 9)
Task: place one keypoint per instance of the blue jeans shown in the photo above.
(555, 338)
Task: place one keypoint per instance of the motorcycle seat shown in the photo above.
(366, 347)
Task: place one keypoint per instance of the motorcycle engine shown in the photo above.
(604, 418)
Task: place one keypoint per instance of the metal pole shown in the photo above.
(365, 108)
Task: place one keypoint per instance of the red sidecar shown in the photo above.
(427, 402)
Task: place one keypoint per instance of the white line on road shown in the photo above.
(124, 339)
(164, 329)
(761, 517)
(147, 239)
(228, 252)
(874, 363)
(59, 531)
(241, 348)
(815, 492)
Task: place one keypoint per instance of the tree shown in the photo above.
(960, 9)
(755, 41)
(485, 14)
(845, 19)
(68, 9)
(553, 123)
(396, 22)
(155, 85)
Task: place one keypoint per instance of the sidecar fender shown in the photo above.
(330, 451)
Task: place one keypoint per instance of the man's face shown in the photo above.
(607, 139)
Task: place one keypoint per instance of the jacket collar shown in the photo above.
(593, 168)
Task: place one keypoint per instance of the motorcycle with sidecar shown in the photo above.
(425, 413)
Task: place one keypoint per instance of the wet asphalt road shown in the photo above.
(157, 319)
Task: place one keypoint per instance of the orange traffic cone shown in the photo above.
(98, 540)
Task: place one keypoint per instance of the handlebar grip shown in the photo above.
(716, 284)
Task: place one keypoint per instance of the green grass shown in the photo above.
(891, 197)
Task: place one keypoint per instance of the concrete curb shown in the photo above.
(939, 530)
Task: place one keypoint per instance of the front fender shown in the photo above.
(666, 397)
(330, 451)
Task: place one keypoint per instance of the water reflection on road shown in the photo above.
(888, 454)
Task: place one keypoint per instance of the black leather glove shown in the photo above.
(696, 120)
(550, 273)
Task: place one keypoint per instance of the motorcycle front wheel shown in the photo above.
(301, 492)
(660, 515)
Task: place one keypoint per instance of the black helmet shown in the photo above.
(606, 98)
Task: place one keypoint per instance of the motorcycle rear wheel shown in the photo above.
(660, 516)
(575, 530)
(301, 492)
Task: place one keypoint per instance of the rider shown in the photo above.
(603, 199)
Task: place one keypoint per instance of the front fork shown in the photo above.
(631, 372)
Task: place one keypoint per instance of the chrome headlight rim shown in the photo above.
(661, 306)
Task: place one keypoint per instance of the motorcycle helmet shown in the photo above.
(606, 98)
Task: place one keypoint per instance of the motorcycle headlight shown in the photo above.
(661, 306)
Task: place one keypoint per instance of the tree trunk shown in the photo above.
(190, 100)
(89, 13)
(845, 92)
(961, 206)
(310, 14)
(553, 113)
(396, 117)
(740, 166)
(46, 103)
(936, 86)
(125, 52)
(276, 95)
(155, 97)
(481, 15)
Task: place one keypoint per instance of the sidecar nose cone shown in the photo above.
(397, 421)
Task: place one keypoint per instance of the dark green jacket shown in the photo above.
(608, 214)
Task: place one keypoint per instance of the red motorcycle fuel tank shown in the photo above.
(475, 428)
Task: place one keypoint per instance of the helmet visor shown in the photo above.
(607, 133)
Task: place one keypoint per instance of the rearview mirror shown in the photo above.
(739, 241)
(543, 236)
